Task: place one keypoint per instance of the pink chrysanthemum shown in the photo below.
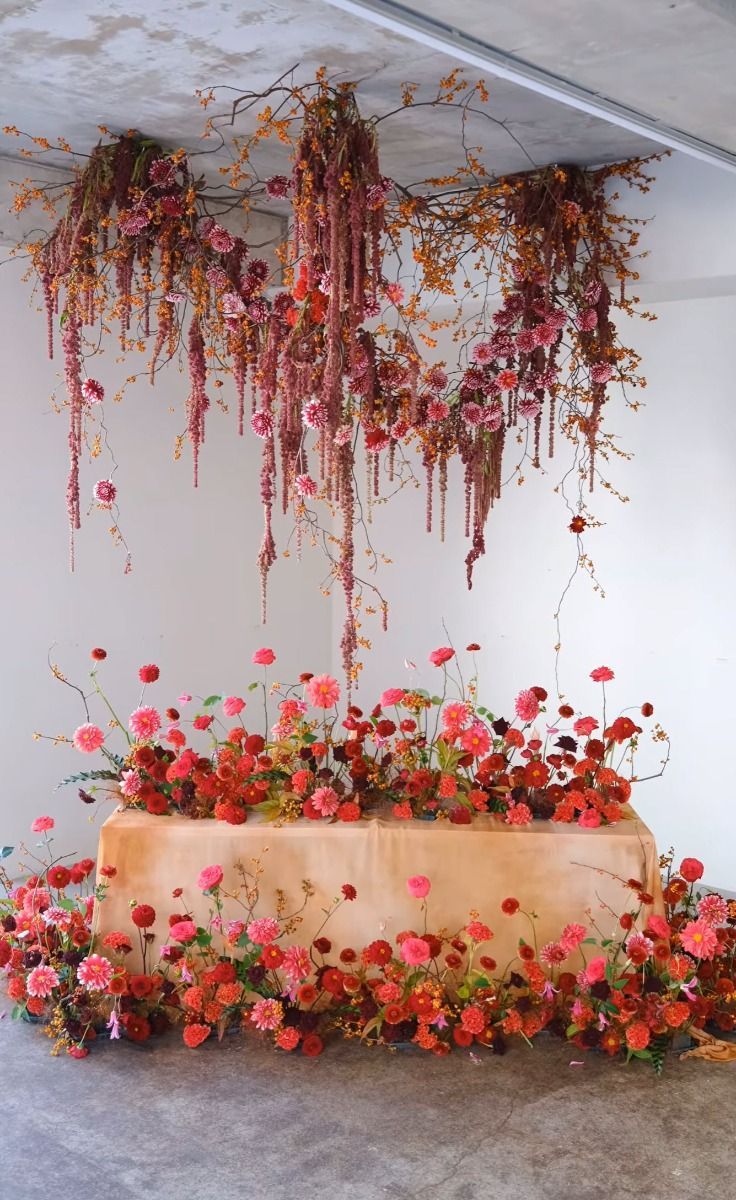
(713, 909)
(326, 801)
(95, 972)
(394, 292)
(133, 221)
(93, 391)
(144, 723)
(297, 964)
(88, 738)
(572, 936)
(267, 1014)
(552, 954)
(315, 414)
(437, 410)
(526, 706)
(699, 939)
(104, 492)
(639, 947)
(601, 372)
(483, 353)
(476, 740)
(436, 379)
(130, 783)
(220, 240)
(323, 691)
(262, 423)
(305, 485)
(263, 930)
(41, 981)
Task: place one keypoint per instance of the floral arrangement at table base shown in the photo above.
(629, 988)
(424, 755)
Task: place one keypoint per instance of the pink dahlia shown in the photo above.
(315, 414)
(130, 783)
(553, 953)
(41, 981)
(95, 972)
(305, 485)
(415, 951)
(639, 947)
(602, 675)
(588, 319)
(42, 824)
(262, 423)
(220, 240)
(483, 353)
(144, 723)
(437, 410)
(232, 706)
(491, 417)
(323, 691)
(264, 657)
(699, 939)
(132, 222)
(394, 292)
(455, 716)
(263, 930)
(210, 877)
(297, 964)
(572, 936)
(267, 1014)
(476, 740)
(88, 738)
(419, 886)
(712, 909)
(104, 492)
(526, 706)
(93, 391)
(326, 801)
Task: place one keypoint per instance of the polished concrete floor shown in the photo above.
(241, 1122)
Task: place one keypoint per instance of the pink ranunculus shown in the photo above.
(419, 886)
(584, 726)
(602, 675)
(210, 877)
(415, 951)
(323, 691)
(526, 706)
(144, 723)
(88, 738)
(183, 931)
(589, 818)
(42, 824)
(232, 706)
(699, 939)
(595, 971)
(391, 697)
(658, 926)
(441, 655)
(264, 657)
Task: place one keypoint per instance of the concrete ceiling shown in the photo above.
(136, 63)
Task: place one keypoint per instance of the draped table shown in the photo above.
(561, 872)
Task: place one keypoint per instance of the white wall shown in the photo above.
(667, 559)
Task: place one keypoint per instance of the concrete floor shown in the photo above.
(242, 1122)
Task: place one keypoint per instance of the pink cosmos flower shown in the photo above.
(264, 930)
(41, 981)
(442, 655)
(95, 972)
(526, 706)
(88, 738)
(391, 697)
(104, 492)
(419, 886)
(297, 963)
(595, 971)
(415, 951)
(584, 726)
(572, 936)
(93, 391)
(326, 801)
(699, 939)
(602, 675)
(478, 931)
(130, 783)
(210, 877)
(323, 691)
(264, 657)
(267, 1014)
(232, 705)
(183, 931)
(144, 723)
(42, 824)
(712, 909)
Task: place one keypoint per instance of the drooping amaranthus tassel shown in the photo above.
(197, 402)
(72, 350)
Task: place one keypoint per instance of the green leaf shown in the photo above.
(203, 938)
(211, 700)
(66, 904)
(463, 992)
(252, 686)
(589, 942)
(6, 851)
(571, 1030)
(436, 700)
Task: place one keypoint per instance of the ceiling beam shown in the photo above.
(437, 35)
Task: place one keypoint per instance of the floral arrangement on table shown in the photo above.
(442, 756)
(631, 987)
(330, 340)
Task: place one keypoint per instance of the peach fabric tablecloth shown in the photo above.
(557, 871)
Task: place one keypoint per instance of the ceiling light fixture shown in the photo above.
(387, 14)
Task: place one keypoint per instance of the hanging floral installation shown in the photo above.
(330, 342)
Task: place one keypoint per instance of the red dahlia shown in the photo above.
(143, 915)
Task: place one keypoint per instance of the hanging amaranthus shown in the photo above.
(329, 337)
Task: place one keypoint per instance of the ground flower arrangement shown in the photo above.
(629, 988)
(287, 753)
